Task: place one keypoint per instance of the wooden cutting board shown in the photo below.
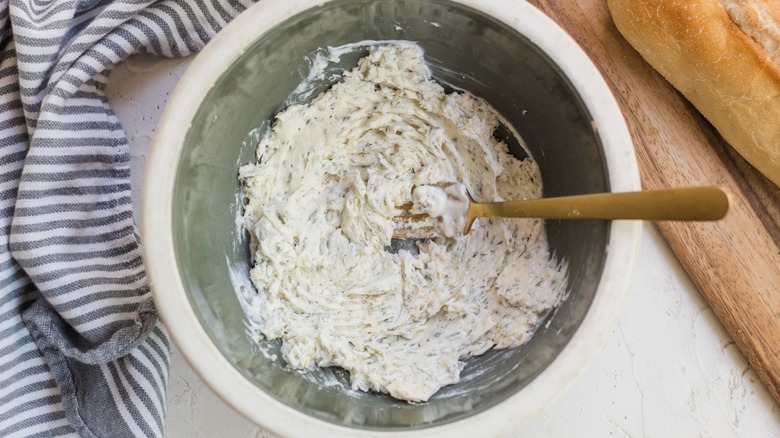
(735, 262)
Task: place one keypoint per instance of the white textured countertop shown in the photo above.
(668, 370)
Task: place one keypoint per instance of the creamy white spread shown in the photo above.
(320, 207)
(449, 204)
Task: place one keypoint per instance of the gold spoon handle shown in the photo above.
(694, 203)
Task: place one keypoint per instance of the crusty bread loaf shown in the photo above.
(724, 56)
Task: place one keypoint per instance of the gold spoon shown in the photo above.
(683, 204)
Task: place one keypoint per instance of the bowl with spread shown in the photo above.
(279, 167)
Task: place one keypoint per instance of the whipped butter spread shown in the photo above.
(320, 207)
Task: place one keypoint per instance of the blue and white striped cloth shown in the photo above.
(82, 351)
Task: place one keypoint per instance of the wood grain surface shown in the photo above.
(734, 262)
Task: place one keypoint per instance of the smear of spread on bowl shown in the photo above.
(320, 207)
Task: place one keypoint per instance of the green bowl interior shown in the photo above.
(466, 49)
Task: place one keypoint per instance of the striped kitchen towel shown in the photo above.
(82, 351)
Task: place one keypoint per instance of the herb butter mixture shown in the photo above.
(321, 201)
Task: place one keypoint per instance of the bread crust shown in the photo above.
(727, 74)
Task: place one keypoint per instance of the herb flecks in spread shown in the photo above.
(320, 209)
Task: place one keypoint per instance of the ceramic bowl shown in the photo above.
(504, 51)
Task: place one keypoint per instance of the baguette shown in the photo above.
(724, 57)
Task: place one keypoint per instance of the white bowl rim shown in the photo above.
(262, 408)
